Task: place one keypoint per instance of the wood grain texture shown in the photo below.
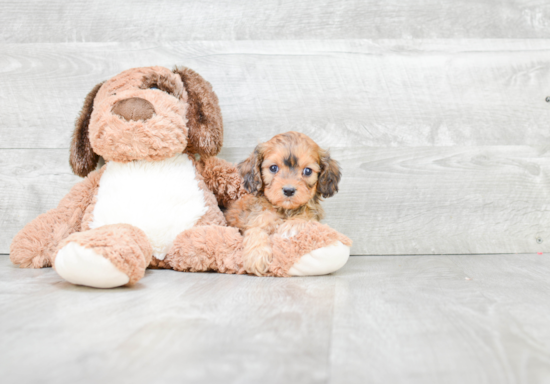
(396, 319)
(384, 93)
(424, 200)
(202, 328)
(31, 21)
(453, 319)
(31, 182)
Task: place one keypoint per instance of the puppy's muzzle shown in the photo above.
(289, 191)
(133, 109)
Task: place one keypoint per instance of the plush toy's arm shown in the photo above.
(223, 179)
(36, 243)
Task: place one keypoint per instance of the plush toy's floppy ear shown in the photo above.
(83, 158)
(204, 115)
(251, 171)
(330, 175)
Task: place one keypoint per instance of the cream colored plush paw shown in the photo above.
(321, 261)
(83, 266)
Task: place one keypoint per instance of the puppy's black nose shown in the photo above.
(289, 191)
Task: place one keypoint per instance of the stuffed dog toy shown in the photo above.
(152, 203)
(155, 202)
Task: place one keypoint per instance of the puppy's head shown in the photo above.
(290, 170)
(147, 113)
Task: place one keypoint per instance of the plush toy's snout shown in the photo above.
(134, 108)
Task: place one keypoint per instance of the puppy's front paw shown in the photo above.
(288, 234)
(257, 260)
(257, 252)
(291, 228)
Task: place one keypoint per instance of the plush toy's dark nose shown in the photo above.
(134, 108)
(289, 191)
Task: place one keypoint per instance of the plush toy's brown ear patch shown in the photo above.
(204, 115)
(83, 159)
(251, 171)
(329, 177)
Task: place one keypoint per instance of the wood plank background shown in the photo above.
(32, 21)
(436, 110)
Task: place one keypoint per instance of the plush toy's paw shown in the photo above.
(84, 266)
(207, 248)
(321, 261)
(105, 257)
(316, 249)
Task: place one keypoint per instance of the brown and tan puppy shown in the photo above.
(287, 177)
(156, 200)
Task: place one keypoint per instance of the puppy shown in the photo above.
(287, 178)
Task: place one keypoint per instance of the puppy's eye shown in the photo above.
(274, 169)
(307, 171)
(153, 87)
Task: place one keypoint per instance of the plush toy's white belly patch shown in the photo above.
(160, 197)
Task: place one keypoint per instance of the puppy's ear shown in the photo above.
(204, 115)
(327, 184)
(83, 159)
(251, 171)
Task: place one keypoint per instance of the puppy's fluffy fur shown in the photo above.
(287, 177)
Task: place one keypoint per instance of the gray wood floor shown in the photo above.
(393, 319)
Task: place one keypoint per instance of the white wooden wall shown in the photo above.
(435, 109)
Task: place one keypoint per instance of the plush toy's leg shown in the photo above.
(207, 248)
(104, 257)
(316, 249)
(35, 245)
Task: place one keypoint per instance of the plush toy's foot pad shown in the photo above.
(105, 257)
(83, 266)
(321, 261)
